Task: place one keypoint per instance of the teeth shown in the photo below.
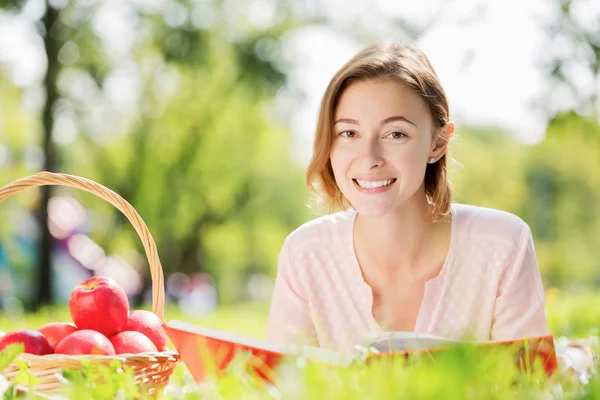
(373, 184)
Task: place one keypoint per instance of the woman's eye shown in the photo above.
(347, 134)
(397, 135)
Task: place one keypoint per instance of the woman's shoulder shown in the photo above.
(480, 221)
(322, 230)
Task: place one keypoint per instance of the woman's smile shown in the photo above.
(370, 186)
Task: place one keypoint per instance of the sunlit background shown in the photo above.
(201, 113)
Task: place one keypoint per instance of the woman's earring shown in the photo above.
(431, 160)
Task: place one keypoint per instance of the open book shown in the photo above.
(205, 351)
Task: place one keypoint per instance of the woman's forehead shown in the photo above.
(378, 99)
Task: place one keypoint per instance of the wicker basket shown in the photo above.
(151, 369)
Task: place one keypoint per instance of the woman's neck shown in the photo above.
(399, 241)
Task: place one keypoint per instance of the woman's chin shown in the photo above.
(373, 211)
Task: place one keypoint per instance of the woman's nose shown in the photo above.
(371, 155)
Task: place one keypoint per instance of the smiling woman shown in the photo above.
(398, 255)
(376, 136)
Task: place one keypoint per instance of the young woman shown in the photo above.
(400, 255)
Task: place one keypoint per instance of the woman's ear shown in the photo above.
(441, 139)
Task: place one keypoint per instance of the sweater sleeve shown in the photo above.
(289, 315)
(519, 310)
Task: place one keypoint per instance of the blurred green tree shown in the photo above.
(554, 186)
(172, 106)
(572, 61)
(52, 39)
(177, 116)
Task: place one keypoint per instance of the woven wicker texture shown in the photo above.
(153, 369)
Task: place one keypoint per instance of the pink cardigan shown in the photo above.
(489, 286)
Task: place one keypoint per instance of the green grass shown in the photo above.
(457, 374)
(571, 315)
(246, 319)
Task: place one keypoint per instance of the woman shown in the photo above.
(400, 256)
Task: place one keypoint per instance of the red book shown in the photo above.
(206, 352)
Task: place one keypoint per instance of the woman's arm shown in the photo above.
(519, 311)
(289, 317)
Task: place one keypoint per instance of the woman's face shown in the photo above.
(383, 138)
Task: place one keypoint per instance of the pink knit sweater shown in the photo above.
(488, 288)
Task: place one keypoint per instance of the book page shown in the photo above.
(309, 352)
(403, 341)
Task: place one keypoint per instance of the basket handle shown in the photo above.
(50, 178)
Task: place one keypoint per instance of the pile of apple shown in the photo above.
(103, 325)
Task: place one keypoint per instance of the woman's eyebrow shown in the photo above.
(397, 118)
(383, 122)
(347, 121)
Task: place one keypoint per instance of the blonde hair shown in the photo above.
(402, 63)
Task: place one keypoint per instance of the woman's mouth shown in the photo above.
(373, 186)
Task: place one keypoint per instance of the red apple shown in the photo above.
(150, 325)
(34, 342)
(85, 341)
(132, 342)
(54, 332)
(99, 304)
